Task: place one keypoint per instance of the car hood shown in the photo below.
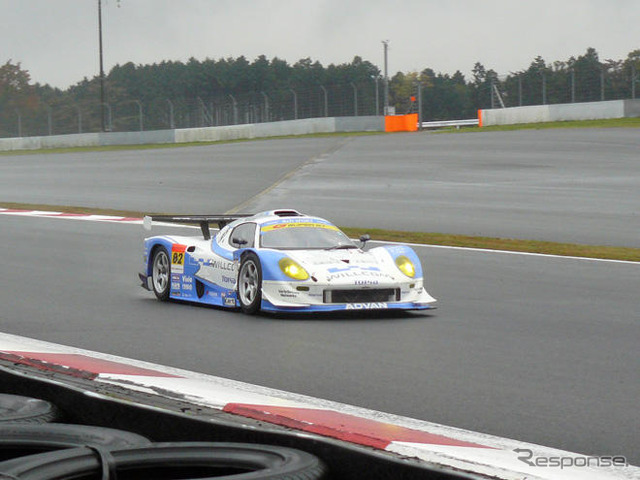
(331, 258)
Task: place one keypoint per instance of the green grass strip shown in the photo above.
(507, 244)
(631, 122)
(443, 239)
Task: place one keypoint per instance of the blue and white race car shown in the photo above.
(280, 261)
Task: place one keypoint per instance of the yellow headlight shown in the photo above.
(405, 266)
(292, 269)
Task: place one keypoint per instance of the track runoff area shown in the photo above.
(428, 444)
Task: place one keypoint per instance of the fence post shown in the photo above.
(295, 104)
(139, 114)
(266, 107)
(326, 101)
(79, 119)
(493, 102)
(419, 106)
(19, 123)
(235, 109)
(49, 122)
(519, 89)
(172, 125)
(375, 79)
(355, 99)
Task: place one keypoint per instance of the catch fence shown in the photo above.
(125, 114)
(441, 99)
(564, 86)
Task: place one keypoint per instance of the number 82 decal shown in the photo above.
(177, 258)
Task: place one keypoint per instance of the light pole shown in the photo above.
(386, 77)
(102, 102)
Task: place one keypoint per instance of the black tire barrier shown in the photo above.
(18, 409)
(167, 461)
(19, 440)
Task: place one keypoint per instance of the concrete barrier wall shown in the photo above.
(359, 124)
(54, 141)
(256, 130)
(632, 108)
(207, 134)
(560, 112)
(136, 138)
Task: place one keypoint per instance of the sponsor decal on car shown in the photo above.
(366, 306)
(177, 257)
(287, 293)
(217, 271)
(222, 265)
(353, 274)
(278, 226)
(229, 280)
(352, 267)
(366, 282)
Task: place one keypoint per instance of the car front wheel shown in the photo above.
(161, 273)
(250, 283)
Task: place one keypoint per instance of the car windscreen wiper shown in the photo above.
(341, 247)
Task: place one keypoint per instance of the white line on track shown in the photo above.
(508, 252)
(131, 221)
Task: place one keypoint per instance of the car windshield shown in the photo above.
(307, 235)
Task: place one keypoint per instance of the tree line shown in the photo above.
(234, 90)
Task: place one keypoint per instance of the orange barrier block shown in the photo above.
(401, 123)
(479, 118)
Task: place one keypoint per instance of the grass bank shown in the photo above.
(425, 238)
(608, 123)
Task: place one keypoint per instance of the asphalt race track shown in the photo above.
(580, 186)
(540, 349)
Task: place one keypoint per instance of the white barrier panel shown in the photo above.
(256, 130)
(560, 112)
(206, 134)
(54, 141)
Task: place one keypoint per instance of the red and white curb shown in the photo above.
(463, 450)
(70, 216)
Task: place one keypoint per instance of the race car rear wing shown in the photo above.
(203, 220)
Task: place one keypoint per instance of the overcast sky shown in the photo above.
(57, 40)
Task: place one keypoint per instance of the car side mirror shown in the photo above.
(364, 239)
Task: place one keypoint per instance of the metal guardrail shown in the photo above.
(471, 122)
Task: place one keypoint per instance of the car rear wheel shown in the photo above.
(250, 283)
(161, 273)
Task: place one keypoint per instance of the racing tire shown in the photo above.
(233, 461)
(19, 409)
(250, 283)
(18, 440)
(161, 273)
